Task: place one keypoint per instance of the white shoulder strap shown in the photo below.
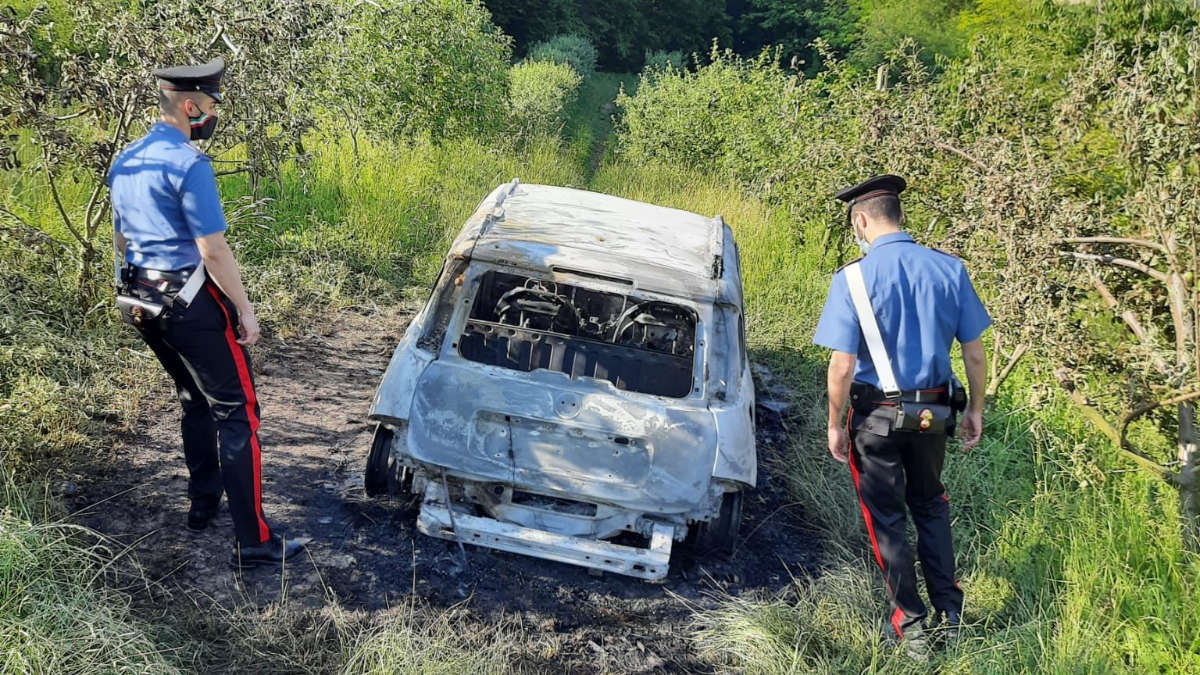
(193, 284)
(870, 329)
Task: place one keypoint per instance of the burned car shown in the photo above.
(576, 388)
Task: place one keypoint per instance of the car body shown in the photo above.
(578, 372)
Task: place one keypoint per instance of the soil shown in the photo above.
(366, 553)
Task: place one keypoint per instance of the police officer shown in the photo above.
(917, 301)
(179, 284)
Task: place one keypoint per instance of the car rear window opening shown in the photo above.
(638, 345)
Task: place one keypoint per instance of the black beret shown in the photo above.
(876, 186)
(204, 78)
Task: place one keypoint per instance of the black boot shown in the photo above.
(271, 552)
(202, 511)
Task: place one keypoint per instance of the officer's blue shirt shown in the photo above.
(923, 301)
(164, 197)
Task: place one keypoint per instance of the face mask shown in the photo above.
(203, 126)
(863, 244)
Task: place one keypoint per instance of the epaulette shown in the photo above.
(848, 264)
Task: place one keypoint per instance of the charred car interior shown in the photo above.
(525, 323)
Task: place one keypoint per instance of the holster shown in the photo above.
(137, 312)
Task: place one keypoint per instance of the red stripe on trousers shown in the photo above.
(870, 525)
(239, 359)
(866, 513)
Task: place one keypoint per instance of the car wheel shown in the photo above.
(719, 535)
(384, 475)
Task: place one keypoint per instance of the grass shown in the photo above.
(59, 611)
(1070, 563)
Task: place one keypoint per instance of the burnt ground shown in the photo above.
(366, 553)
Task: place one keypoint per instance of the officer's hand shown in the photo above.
(248, 327)
(970, 430)
(839, 444)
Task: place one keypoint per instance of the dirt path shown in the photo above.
(315, 393)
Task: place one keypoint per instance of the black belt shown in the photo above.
(163, 281)
(863, 394)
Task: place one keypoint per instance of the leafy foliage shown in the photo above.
(664, 60)
(622, 29)
(395, 69)
(795, 24)
(539, 94)
(573, 50)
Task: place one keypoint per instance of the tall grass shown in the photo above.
(57, 612)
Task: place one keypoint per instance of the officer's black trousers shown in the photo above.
(890, 472)
(215, 385)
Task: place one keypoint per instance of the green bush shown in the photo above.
(399, 69)
(659, 59)
(574, 50)
(539, 93)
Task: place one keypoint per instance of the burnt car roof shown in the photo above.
(557, 228)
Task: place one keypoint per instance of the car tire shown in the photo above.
(384, 475)
(719, 535)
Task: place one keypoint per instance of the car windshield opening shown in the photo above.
(525, 324)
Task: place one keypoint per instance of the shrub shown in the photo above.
(539, 93)
(573, 50)
(658, 59)
(399, 69)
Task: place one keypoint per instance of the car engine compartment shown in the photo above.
(526, 323)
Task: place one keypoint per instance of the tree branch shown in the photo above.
(1135, 326)
(61, 209)
(217, 36)
(64, 118)
(1127, 316)
(1119, 262)
(994, 386)
(91, 219)
(1149, 407)
(1118, 441)
(963, 154)
(20, 221)
(1113, 240)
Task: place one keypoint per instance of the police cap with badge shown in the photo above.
(206, 79)
(876, 186)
